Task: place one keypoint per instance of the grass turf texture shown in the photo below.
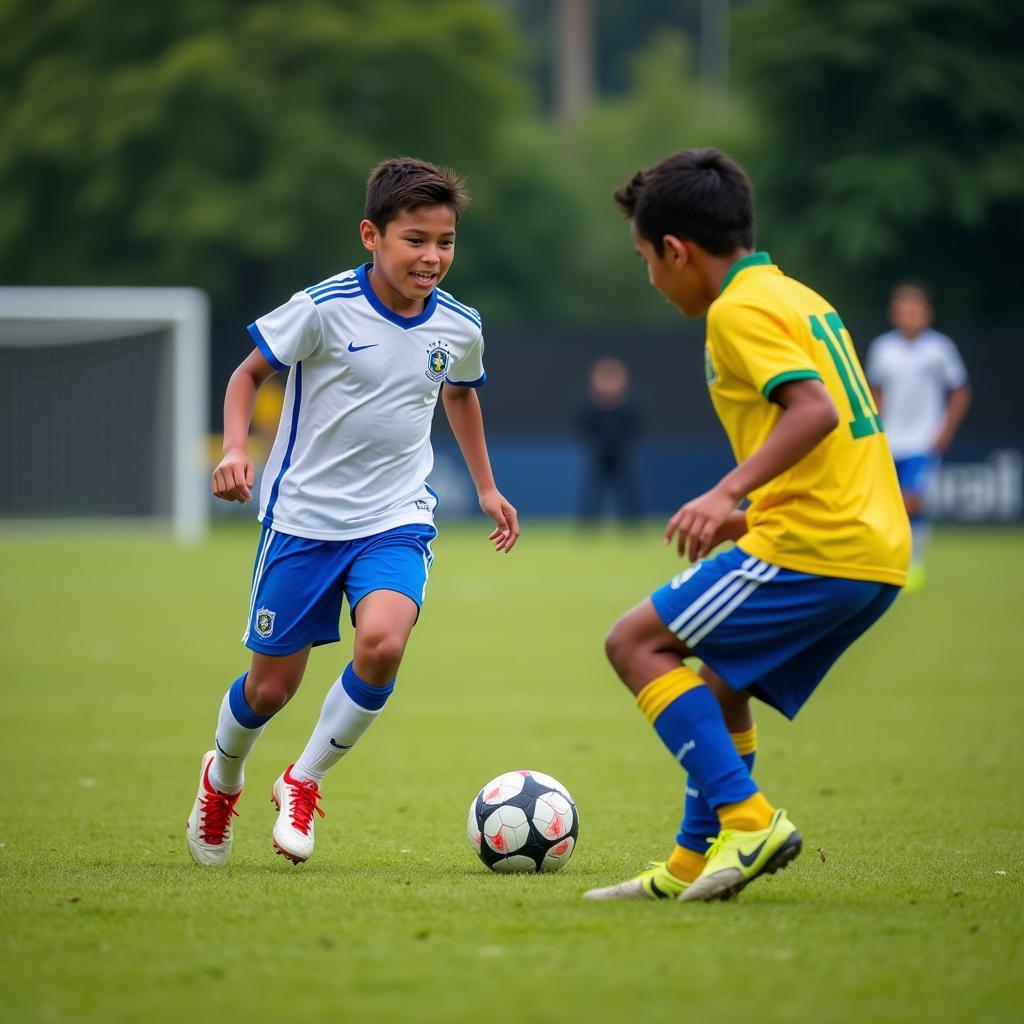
(904, 771)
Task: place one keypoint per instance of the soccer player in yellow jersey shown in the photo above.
(821, 549)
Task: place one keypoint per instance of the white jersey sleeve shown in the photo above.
(952, 363)
(290, 333)
(469, 370)
(873, 363)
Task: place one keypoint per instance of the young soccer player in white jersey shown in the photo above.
(920, 384)
(344, 503)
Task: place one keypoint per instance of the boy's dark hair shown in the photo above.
(697, 194)
(915, 288)
(405, 183)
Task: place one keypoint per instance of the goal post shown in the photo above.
(104, 406)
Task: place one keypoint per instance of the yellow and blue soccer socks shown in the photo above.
(700, 824)
(747, 815)
(686, 864)
(351, 706)
(238, 729)
(687, 718)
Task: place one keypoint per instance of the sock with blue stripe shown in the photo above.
(350, 708)
(687, 718)
(700, 823)
(238, 729)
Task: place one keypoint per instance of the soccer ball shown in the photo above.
(523, 821)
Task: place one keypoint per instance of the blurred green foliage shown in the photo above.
(226, 144)
(892, 145)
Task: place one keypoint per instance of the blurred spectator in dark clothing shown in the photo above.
(610, 426)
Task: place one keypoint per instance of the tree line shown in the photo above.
(225, 144)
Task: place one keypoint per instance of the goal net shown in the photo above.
(103, 406)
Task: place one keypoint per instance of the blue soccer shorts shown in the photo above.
(765, 629)
(298, 583)
(915, 474)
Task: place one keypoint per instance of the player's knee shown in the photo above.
(381, 651)
(619, 646)
(268, 694)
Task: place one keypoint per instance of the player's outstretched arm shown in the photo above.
(462, 407)
(235, 474)
(809, 416)
(957, 404)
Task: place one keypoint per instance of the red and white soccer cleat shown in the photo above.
(295, 800)
(208, 829)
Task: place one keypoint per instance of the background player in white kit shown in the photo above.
(920, 386)
(344, 502)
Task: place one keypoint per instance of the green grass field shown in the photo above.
(904, 775)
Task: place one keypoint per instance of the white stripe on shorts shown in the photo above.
(737, 600)
(680, 620)
(261, 559)
(710, 610)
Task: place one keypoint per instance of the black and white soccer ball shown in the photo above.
(523, 821)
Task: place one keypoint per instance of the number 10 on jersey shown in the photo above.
(866, 420)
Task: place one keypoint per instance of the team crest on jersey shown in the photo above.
(710, 373)
(438, 358)
(265, 622)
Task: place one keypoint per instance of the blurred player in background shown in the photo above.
(344, 503)
(821, 551)
(920, 385)
(609, 425)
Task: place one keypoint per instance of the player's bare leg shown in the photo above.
(640, 648)
(384, 620)
(735, 704)
(273, 680)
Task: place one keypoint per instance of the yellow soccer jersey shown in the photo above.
(838, 511)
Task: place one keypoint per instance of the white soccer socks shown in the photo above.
(350, 708)
(238, 729)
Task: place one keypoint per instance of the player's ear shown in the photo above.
(675, 250)
(368, 235)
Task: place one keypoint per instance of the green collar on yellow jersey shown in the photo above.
(755, 259)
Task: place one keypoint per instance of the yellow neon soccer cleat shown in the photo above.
(656, 883)
(737, 857)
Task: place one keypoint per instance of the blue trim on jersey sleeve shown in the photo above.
(479, 382)
(456, 309)
(461, 305)
(354, 293)
(405, 322)
(336, 282)
(268, 517)
(261, 344)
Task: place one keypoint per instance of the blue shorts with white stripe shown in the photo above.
(765, 629)
(298, 583)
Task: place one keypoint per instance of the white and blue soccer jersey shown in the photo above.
(352, 453)
(915, 377)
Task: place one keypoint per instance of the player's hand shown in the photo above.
(698, 522)
(506, 519)
(233, 478)
(942, 441)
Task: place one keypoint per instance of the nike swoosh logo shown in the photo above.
(340, 746)
(746, 859)
(234, 757)
(359, 348)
